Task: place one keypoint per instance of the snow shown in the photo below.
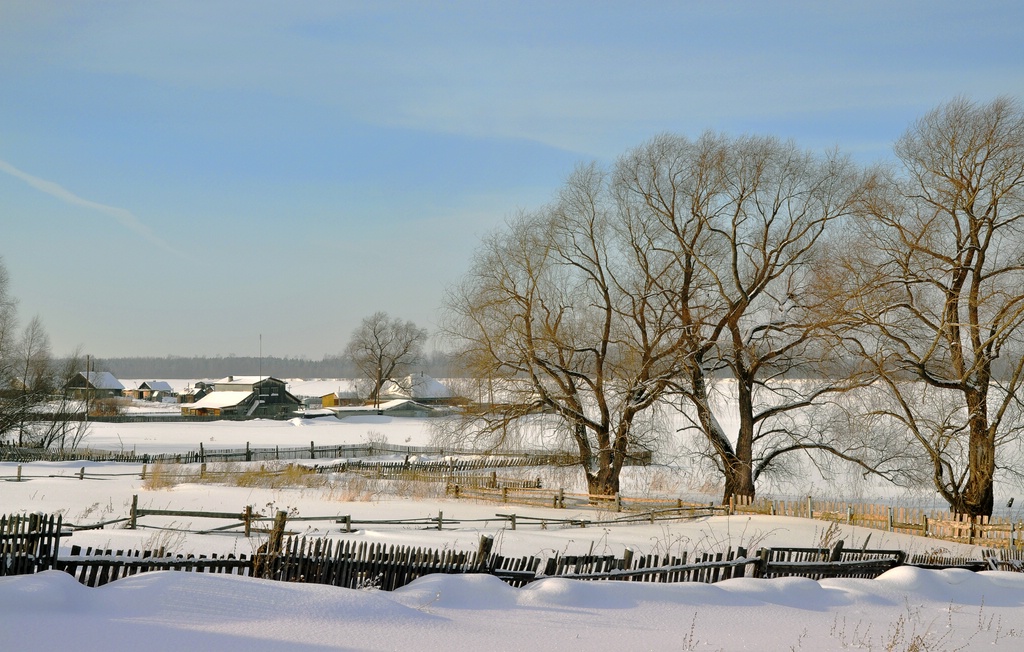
(950, 609)
(222, 399)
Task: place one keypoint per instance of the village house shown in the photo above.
(245, 397)
(94, 385)
(151, 390)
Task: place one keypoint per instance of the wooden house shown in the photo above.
(94, 385)
(245, 397)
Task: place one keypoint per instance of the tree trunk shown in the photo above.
(742, 466)
(603, 483)
(738, 476)
(739, 481)
(978, 495)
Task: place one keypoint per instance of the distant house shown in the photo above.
(244, 396)
(195, 392)
(421, 388)
(401, 407)
(151, 390)
(94, 384)
(339, 398)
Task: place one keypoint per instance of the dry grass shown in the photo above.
(163, 476)
(344, 487)
(272, 476)
(291, 475)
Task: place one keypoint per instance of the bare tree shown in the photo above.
(9, 415)
(742, 220)
(563, 314)
(32, 400)
(34, 378)
(384, 348)
(939, 293)
(61, 424)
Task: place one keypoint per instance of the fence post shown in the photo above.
(348, 522)
(312, 451)
(277, 533)
(849, 514)
(483, 551)
(512, 520)
(837, 552)
(440, 519)
(924, 525)
(627, 559)
(732, 505)
(810, 508)
(248, 453)
(19, 473)
(618, 502)
(143, 471)
(889, 518)
(248, 520)
(561, 497)
(202, 470)
(202, 453)
(81, 473)
(135, 512)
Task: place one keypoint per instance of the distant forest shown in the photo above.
(437, 365)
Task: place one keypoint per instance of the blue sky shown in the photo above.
(183, 177)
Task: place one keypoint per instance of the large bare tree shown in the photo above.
(384, 347)
(563, 313)
(742, 219)
(939, 291)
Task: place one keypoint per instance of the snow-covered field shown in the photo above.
(904, 609)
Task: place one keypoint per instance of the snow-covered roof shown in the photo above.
(156, 385)
(102, 380)
(418, 385)
(383, 406)
(240, 380)
(219, 400)
(340, 387)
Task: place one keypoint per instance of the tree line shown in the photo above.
(689, 261)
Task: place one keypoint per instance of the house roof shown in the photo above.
(219, 400)
(102, 380)
(416, 386)
(156, 385)
(242, 380)
(385, 406)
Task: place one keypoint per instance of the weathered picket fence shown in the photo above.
(99, 567)
(29, 543)
(360, 564)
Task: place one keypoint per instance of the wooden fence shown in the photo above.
(350, 452)
(990, 532)
(98, 567)
(29, 543)
(359, 564)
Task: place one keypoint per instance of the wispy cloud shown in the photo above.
(124, 216)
